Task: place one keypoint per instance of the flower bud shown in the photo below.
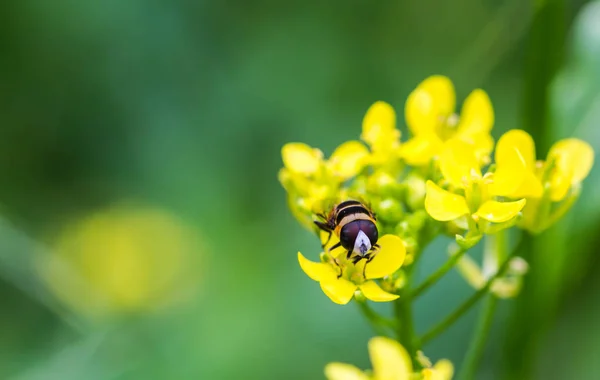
(417, 220)
(384, 184)
(467, 242)
(388, 210)
(415, 192)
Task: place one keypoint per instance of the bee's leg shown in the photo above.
(335, 261)
(329, 233)
(322, 216)
(369, 257)
(337, 245)
(357, 259)
(339, 266)
(324, 227)
(348, 255)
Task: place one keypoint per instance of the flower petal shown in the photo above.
(442, 370)
(379, 121)
(484, 144)
(458, 163)
(510, 172)
(515, 160)
(572, 156)
(301, 158)
(419, 150)
(372, 291)
(516, 139)
(498, 212)
(316, 271)
(531, 187)
(477, 114)
(573, 160)
(339, 290)
(390, 360)
(348, 159)
(443, 205)
(430, 104)
(560, 183)
(388, 258)
(343, 371)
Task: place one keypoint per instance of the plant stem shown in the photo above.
(477, 345)
(405, 328)
(439, 273)
(494, 253)
(465, 306)
(379, 323)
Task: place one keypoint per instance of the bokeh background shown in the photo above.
(144, 235)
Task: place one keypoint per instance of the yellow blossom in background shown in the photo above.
(568, 164)
(390, 361)
(472, 194)
(430, 117)
(340, 281)
(121, 260)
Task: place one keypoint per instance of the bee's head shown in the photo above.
(359, 236)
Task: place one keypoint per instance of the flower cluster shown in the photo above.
(441, 181)
(442, 173)
(390, 361)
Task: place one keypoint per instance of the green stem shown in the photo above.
(379, 323)
(404, 316)
(562, 209)
(477, 345)
(495, 252)
(439, 273)
(465, 306)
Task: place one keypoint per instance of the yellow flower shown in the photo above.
(390, 361)
(473, 193)
(442, 370)
(380, 133)
(341, 289)
(572, 159)
(568, 164)
(311, 181)
(430, 117)
(121, 260)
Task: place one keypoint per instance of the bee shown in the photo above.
(354, 224)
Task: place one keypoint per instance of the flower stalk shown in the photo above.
(465, 306)
(438, 274)
(381, 325)
(404, 315)
(476, 348)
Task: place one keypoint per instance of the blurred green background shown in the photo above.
(181, 107)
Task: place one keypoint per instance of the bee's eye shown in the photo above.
(350, 231)
(370, 229)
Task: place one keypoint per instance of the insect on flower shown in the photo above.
(354, 224)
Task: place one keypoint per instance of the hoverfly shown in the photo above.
(354, 224)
